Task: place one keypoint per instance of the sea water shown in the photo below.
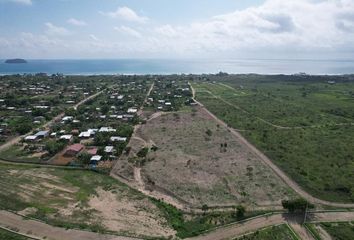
(169, 66)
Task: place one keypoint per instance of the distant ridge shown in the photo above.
(16, 60)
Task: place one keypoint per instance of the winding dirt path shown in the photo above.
(269, 163)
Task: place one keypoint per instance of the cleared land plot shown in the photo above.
(202, 163)
(280, 232)
(80, 199)
(313, 146)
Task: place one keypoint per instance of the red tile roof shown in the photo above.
(76, 147)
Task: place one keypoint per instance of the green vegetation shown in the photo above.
(296, 205)
(304, 124)
(192, 225)
(311, 227)
(7, 235)
(340, 231)
(280, 232)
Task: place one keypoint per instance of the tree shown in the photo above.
(205, 208)
(240, 211)
(54, 147)
(143, 152)
(84, 158)
(299, 204)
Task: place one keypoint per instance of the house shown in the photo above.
(66, 137)
(30, 138)
(132, 110)
(118, 139)
(106, 129)
(75, 132)
(109, 149)
(73, 150)
(42, 134)
(67, 119)
(86, 134)
(95, 159)
(92, 151)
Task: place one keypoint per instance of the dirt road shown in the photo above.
(46, 125)
(275, 168)
(239, 229)
(39, 230)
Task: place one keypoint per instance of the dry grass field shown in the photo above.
(80, 199)
(203, 163)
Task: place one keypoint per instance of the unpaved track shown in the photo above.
(277, 170)
(39, 230)
(47, 124)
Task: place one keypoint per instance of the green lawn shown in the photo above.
(281, 232)
(305, 141)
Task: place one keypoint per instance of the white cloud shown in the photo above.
(276, 28)
(126, 14)
(128, 30)
(76, 22)
(24, 2)
(56, 30)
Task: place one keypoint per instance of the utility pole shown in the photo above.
(305, 212)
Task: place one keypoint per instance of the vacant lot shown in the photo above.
(79, 199)
(281, 232)
(202, 163)
(305, 127)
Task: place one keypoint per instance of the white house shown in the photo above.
(118, 139)
(132, 110)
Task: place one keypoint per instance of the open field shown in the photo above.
(339, 231)
(200, 162)
(7, 235)
(80, 199)
(280, 232)
(306, 128)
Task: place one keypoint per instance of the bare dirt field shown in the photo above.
(201, 162)
(80, 199)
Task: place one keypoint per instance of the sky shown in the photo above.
(175, 29)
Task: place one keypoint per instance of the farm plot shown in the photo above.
(202, 163)
(80, 199)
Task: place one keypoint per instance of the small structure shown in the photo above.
(132, 110)
(109, 149)
(106, 129)
(73, 150)
(66, 137)
(92, 151)
(118, 139)
(42, 134)
(31, 138)
(95, 159)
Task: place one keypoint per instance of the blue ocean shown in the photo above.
(167, 66)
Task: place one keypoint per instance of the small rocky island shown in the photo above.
(16, 60)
